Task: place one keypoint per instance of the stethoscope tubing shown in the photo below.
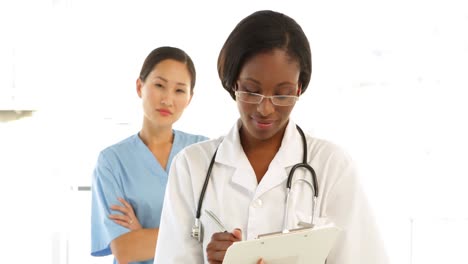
(205, 185)
(289, 184)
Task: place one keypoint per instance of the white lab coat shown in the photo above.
(235, 197)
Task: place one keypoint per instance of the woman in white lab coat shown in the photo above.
(265, 65)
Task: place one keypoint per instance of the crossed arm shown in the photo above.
(137, 245)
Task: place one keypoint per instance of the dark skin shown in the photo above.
(216, 250)
(261, 153)
(263, 125)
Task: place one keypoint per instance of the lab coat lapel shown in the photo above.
(230, 153)
(289, 154)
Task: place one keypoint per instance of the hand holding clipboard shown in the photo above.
(309, 245)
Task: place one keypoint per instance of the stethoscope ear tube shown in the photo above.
(310, 169)
(197, 229)
(304, 164)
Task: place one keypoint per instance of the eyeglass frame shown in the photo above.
(271, 97)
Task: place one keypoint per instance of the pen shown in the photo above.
(216, 220)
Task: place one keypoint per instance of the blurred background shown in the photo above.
(389, 84)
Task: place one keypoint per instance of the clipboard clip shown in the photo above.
(305, 224)
(286, 231)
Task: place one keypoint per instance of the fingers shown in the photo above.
(224, 236)
(125, 221)
(119, 208)
(260, 261)
(126, 208)
(215, 257)
(214, 262)
(119, 217)
(127, 218)
(122, 223)
(220, 242)
(237, 233)
(126, 204)
(219, 245)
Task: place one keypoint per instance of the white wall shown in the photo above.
(388, 84)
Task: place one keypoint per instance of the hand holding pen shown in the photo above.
(221, 241)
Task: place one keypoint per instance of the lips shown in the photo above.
(163, 111)
(263, 123)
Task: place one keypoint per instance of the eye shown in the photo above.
(180, 91)
(158, 85)
(283, 97)
(248, 88)
(286, 91)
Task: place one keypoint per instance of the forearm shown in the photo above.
(138, 245)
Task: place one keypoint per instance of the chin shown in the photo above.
(262, 134)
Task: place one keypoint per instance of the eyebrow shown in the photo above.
(165, 80)
(257, 82)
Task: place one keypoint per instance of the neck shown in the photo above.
(250, 143)
(156, 135)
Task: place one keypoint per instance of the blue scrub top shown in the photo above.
(129, 170)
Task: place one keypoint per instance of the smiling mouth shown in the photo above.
(263, 123)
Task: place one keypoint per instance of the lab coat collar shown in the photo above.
(230, 150)
(231, 153)
(290, 152)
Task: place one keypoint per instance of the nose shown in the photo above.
(265, 107)
(167, 98)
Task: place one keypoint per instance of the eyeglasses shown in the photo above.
(255, 98)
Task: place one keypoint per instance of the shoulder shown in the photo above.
(327, 152)
(325, 146)
(124, 146)
(334, 166)
(207, 146)
(201, 150)
(189, 138)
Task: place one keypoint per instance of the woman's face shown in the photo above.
(270, 73)
(165, 93)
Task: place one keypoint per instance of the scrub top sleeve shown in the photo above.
(175, 245)
(348, 208)
(105, 191)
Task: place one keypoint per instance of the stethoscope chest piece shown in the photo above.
(197, 230)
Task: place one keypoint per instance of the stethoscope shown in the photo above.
(197, 229)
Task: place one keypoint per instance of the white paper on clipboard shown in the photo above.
(311, 246)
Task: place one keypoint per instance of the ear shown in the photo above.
(299, 90)
(139, 85)
(190, 100)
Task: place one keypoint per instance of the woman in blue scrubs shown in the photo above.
(130, 176)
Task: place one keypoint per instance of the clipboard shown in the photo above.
(306, 245)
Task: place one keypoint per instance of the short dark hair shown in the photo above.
(164, 53)
(260, 32)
